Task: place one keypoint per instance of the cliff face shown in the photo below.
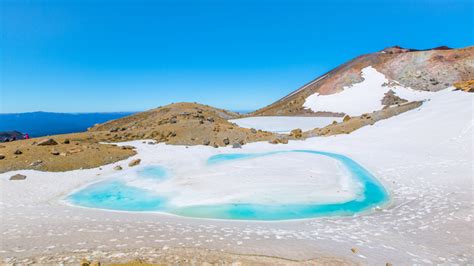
(427, 70)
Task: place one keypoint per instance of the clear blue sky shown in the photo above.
(86, 56)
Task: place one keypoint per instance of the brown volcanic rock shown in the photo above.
(74, 156)
(181, 123)
(391, 99)
(134, 162)
(467, 86)
(18, 177)
(429, 70)
(354, 123)
(47, 142)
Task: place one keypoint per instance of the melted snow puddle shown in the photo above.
(115, 194)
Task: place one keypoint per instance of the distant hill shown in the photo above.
(38, 124)
(421, 70)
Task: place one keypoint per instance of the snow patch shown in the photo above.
(363, 97)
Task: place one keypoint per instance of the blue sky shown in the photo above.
(88, 56)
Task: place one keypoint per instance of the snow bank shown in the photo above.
(363, 97)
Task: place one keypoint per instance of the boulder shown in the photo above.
(226, 141)
(66, 141)
(118, 168)
(253, 130)
(36, 163)
(467, 86)
(55, 152)
(2, 156)
(296, 133)
(279, 140)
(47, 142)
(134, 162)
(346, 118)
(18, 152)
(18, 177)
(74, 150)
(206, 142)
(236, 145)
(391, 99)
(127, 147)
(85, 262)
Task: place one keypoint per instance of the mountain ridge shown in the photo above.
(429, 70)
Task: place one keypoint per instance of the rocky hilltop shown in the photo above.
(424, 70)
(181, 123)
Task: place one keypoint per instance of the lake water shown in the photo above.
(114, 194)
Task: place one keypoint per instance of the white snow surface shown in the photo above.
(284, 124)
(423, 157)
(363, 97)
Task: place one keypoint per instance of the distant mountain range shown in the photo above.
(38, 124)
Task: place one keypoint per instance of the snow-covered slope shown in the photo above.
(363, 97)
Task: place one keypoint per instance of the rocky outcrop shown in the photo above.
(236, 145)
(296, 133)
(47, 142)
(357, 122)
(128, 147)
(279, 140)
(134, 162)
(391, 99)
(18, 177)
(36, 163)
(467, 86)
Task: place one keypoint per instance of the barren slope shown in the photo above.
(181, 123)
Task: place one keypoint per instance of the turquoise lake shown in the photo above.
(114, 194)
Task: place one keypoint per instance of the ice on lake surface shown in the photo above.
(115, 194)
